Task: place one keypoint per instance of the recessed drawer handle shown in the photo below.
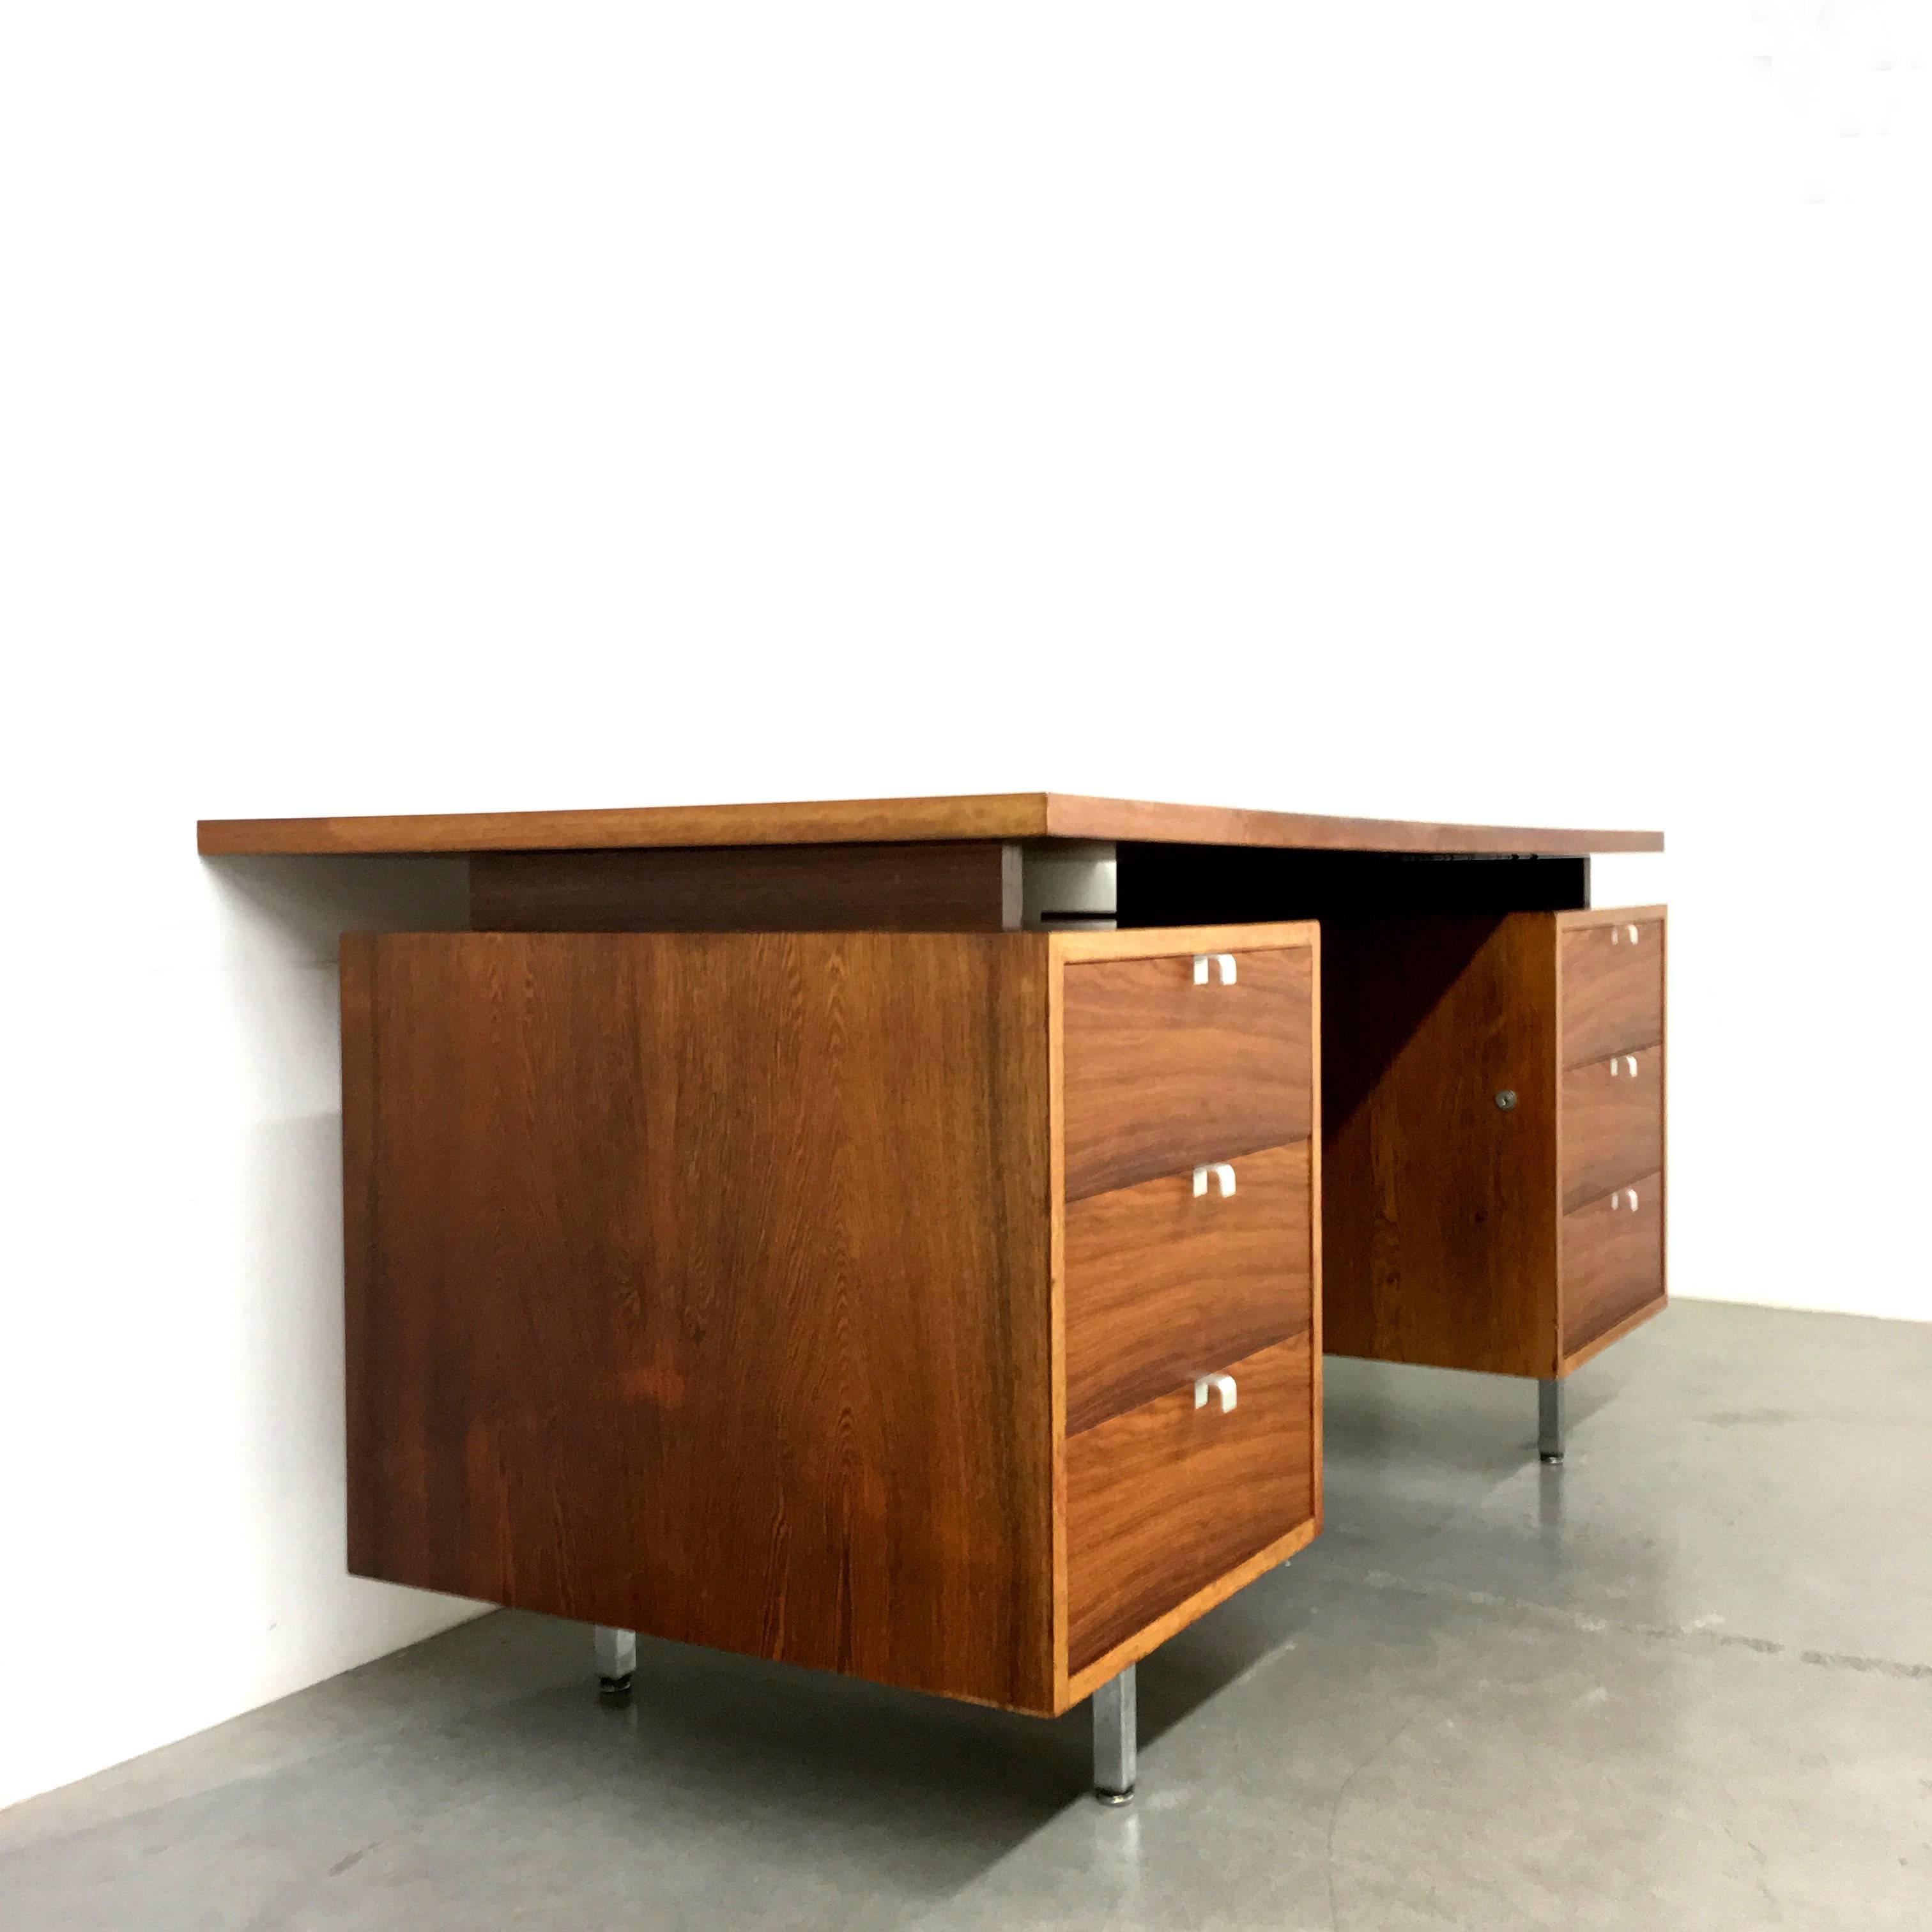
(1622, 1195)
(1624, 1060)
(1224, 962)
(1617, 933)
(1223, 1386)
(1223, 1172)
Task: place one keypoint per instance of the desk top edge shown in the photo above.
(887, 821)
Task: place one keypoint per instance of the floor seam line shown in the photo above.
(1593, 1623)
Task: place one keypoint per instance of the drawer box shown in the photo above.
(1612, 977)
(1613, 1125)
(725, 1286)
(1163, 1282)
(1612, 1260)
(1164, 1073)
(1488, 1079)
(1164, 1500)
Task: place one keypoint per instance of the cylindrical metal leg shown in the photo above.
(616, 1662)
(1116, 1734)
(1549, 1420)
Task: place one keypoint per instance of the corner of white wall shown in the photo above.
(179, 1410)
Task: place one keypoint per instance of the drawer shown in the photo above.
(1613, 1125)
(1613, 989)
(1160, 1280)
(1612, 1260)
(1165, 1499)
(1161, 1075)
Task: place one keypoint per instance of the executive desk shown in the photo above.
(895, 1236)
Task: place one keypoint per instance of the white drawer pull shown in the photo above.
(1222, 1385)
(1223, 1172)
(1617, 933)
(1622, 1195)
(1623, 1060)
(1224, 963)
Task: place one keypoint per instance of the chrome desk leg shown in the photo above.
(1549, 1420)
(616, 1662)
(1116, 1732)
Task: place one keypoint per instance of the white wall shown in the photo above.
(1494, 411)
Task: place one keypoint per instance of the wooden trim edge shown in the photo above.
(1070, 815)
(1584, 918)
(1169, 942)
(993, 816)
(997, 815)
(1056, 1128)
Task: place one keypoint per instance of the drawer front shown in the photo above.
(1165, 1499)
(1613, 990)
(1161, 1074)
(1160, 1280)
(1612, 1260)
(1612, 1124)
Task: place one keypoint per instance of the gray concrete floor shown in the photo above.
(1684, 1682)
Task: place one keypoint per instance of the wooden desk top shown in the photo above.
(890, 821)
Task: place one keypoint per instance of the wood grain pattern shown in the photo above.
(1612, 1261)
(1162, 1075)
(1163, 1285)
(700, 1285)
(1124, 819)
(1000, 816)
(1056, 1023)
(962, 886)
(1603, 994)
(1588, 918)
(1165, 1499)
(1442, 1211)
(1612, 991)
(1613, 1125)
(1110, 1663)
(1162, 942)
(1439, 1207)
(1577, 1357)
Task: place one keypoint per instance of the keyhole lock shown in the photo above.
(1506, 1100)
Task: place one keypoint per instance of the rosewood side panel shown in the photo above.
(700, 1286)
(1439, 1204)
